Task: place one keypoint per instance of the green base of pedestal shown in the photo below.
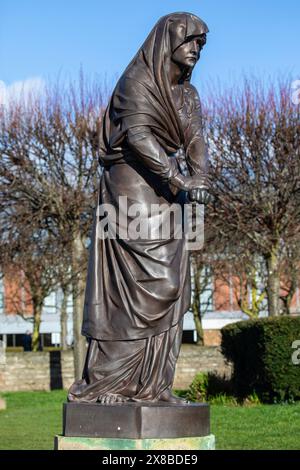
(90, 443)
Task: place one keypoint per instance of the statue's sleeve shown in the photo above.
(149, 152)
(196, 149)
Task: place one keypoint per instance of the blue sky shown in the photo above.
(40, 39)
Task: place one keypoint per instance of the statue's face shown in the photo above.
(188, 53)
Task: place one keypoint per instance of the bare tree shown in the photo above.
(29, 253)
(254, 137)
(49, 161)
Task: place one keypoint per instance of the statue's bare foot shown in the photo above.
(111, 398)
(168, 397)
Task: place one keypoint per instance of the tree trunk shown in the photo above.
(252, 306)
(37, 319)
(273, 281)
(196, 306)
(287, 299)
(64, 320)
(198, 324)
(78, 303)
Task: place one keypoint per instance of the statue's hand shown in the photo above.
(186, 183)
(200, 195)
(194, 185)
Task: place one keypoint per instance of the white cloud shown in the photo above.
(20, 89)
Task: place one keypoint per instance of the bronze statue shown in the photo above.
(152, 151)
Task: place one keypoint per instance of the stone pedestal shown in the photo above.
(133, 426)
(89, 443)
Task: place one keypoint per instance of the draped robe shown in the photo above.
(138, 290)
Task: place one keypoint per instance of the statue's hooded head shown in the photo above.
(143, 94)
(184, 26)
(170, 32)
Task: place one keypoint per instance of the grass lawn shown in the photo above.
(33, 418)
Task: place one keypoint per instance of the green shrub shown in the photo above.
(223, 399)
(198, 389)
(261, 353)
(207, 386)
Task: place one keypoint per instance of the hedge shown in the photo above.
(261, 352)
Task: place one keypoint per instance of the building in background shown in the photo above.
(218, 301)
(14, 326)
